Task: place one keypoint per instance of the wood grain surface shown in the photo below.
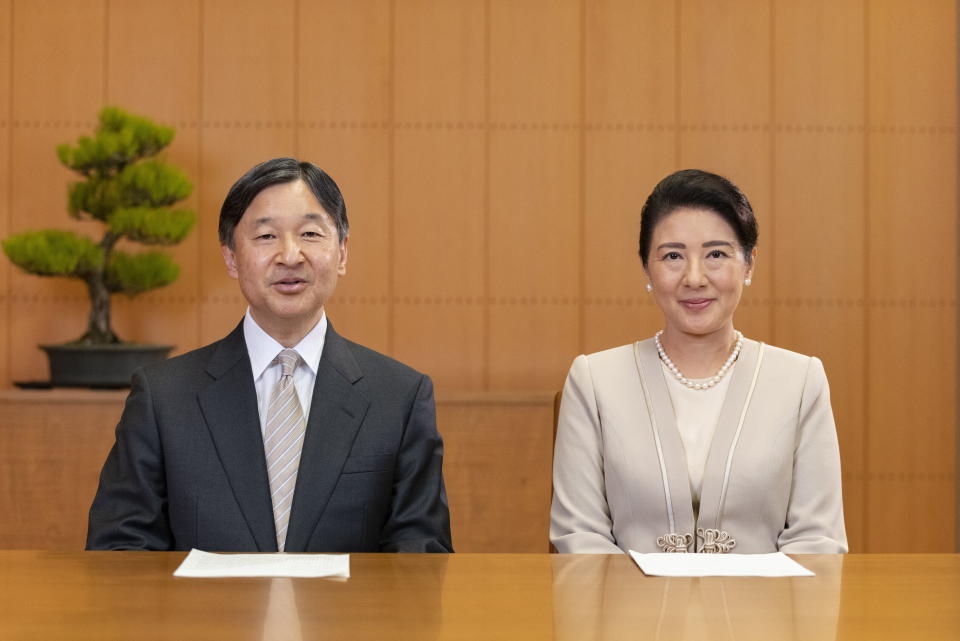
(133, 595)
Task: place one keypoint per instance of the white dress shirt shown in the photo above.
(263, 349)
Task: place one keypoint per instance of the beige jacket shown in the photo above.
(772, 477)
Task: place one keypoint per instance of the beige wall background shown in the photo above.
(494, 155)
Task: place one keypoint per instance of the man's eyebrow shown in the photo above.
(264, 220)
(671, 246)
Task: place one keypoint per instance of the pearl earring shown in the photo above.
(649, 288)
(747, 282)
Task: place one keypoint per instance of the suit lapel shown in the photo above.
(229, 405)
(733, 406)
(674, 457)
(336, 413)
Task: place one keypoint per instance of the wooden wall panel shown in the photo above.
(535, 257)
(344, 61)
(535, 61)
(438, 186)
(45, 490)
(725, 62)
(820, 281)
(819, 203)
(913, 313)
(439, 64)
(911, 458)
(913, 61)
(439, 281)
(911, 179)
(248, 56)
(497, 462)
(630, 63)
(59, 60)
(819, 62)
(152, 59)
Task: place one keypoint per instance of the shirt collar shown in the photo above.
(263, 348)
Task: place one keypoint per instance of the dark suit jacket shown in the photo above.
(188, 468)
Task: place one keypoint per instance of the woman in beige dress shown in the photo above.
(698, 439)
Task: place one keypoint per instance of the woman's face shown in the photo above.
(697, 267)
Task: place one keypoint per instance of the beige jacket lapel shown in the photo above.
(677, 500)
(721, 458)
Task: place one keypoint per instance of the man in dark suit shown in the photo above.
(283, 435)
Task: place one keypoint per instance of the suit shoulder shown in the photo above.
(376, 364)
(182, 365)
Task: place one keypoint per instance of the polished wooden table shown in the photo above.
(133, 595)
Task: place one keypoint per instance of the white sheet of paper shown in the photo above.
(774, 564)
(199, 564)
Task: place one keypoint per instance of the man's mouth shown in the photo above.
(290, 285)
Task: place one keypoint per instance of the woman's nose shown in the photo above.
(695, 276)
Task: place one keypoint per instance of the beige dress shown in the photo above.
(771, 480)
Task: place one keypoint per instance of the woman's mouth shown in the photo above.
(696, 304)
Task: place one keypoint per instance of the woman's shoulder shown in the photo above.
(622, 354)
(613, 361)
(781, 358)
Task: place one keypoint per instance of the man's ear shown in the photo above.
(342, 265)
(231, 261)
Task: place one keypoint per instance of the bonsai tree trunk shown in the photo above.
(98, 329)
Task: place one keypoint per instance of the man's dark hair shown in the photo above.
(276, 172)
(697, 189)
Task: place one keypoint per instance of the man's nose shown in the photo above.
(290, 249)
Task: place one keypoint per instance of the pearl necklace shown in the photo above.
(713, 380)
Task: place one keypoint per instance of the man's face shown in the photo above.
(287, 257)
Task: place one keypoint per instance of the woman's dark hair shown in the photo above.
(275, 172)
(697, 189)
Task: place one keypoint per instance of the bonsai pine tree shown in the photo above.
(128, 188)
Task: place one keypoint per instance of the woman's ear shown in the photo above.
(753, 262)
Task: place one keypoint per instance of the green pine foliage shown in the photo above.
(128, 187)
(136, 273)
(52, 252)
(160, 226)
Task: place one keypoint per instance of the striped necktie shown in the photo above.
(283, 442)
